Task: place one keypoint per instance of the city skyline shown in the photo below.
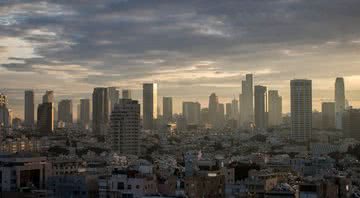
(191, 51)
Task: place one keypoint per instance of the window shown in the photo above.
(129, 187)
(120, 186)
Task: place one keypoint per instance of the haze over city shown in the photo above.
(190, 48)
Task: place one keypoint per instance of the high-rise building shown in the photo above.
(301, 110)
(149, 105)
(49, 97)
(29, 112)
(247, 101)
(191, 113)
(45, 118)
(235, 109)
(101, 111)
(275, 108)
(204, 116)
(229, 111)
(213, 109)
(113, 96)
(220, 116)
(167, 108)
(260, 107)
(5, 112)
(339, 101)
(125, 127)
(351, 123)
(328, 115)
(126, 94)
(65, 111)
(84, 115)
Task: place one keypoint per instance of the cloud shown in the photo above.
(196, 46)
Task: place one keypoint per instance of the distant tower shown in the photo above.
(5, 112)
(101, 111)
(213, 109)
(260, 107)
(45, 118)
(149, 105)
(113, 97)
(29, 112)
(167, 108)
(126, 94)
(328, 115)
(191, 112)
(235, 109)
(275, 108)
(339, 101)
(229, 111)
(301, 110)
(49, 97)
(220, 115)
(65, 111)
(247, 101)
(84, 113)
(125, 127)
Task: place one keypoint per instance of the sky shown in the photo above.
(191, 48)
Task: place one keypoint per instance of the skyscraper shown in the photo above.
(339, 101)
(45, 118)
(275, 108)
(84, 115)
(65, 111)
(126, 94)
(101, 111)
(149, 105)
(191, 113)
(328, 115)
(351, 123)
(49, 97)
(125, 127)
(29, 112)
(5, 112)
(247, 101)
(260, 107)
(229, 111)
(301, 110)
(167, 108)
(113, 97)
(235, 109)
(213, 109)
(220, 116)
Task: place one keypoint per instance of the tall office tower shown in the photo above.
(5, 112)
(125, 127)
(65, 111)
(213, 109)
(167, 108)
(260, 107)
(113, 97)
(247, 101)
(45, 118)
(301, 110)
(204, 116)
(126, 94)
(49, 97)
(29, 111)
(229, 111)
(339, 101)
(328, 115)
(149, 105)
(275, 108)
(191, 113)
(101, 111)
(235, 109)
(220, 114)
(351, 123)
(84, 115)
